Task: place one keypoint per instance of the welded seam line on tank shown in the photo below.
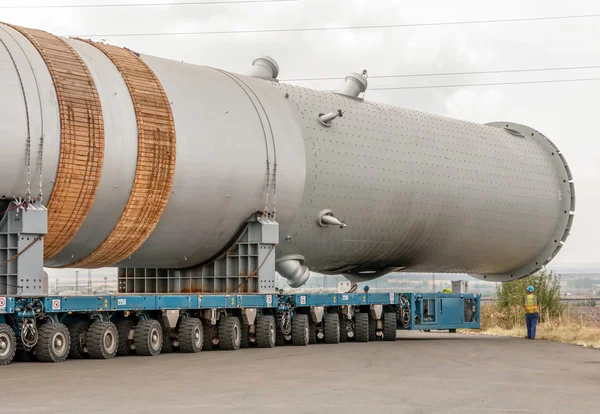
(39, 95)
(28, 145)
(264, 134)
(274, 180)
(81, 139)
(267, 151)
(155, 167)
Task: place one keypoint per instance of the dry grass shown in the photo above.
(573, 326)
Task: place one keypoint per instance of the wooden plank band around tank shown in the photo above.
(155, 160)
(81, 139)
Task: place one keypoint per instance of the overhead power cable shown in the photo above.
(482, 72)
(483, 84)
(192, 3)
(314, 29)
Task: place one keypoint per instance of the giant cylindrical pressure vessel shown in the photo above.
(149, 162)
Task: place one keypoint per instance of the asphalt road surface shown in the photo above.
(420, 373)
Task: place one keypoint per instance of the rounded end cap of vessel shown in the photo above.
(565, 193)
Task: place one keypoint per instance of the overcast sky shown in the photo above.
(567, 113)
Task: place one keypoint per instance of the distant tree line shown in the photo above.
(585, 283)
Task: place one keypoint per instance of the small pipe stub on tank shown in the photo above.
(325, 119)
(355, 84)
(326, 218)
(265, 67)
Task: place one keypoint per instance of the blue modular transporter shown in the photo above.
(52, 328)
(153, 314)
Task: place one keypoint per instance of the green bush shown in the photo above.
(511, 295)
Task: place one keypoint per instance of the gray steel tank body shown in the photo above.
(359, 188)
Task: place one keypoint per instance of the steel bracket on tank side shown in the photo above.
(22, 230)
(247, 266)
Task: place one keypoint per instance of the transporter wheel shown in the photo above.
(124, 327)
(102, 340)
(361, 327)
(78, 333)
(148, 338)
(191, 335)
(312, 333)
(332, 328)
(54, 342)
(8, 344)
(343, 328)
(300, 330)
(372, 329)
(230, 333)
(389, 326)
(265, 331)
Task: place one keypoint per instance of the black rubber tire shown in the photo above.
(361, 327)
(102, 340)
(245, 334)
(8, 344)
(78, 333)
(191, 335)
(148, 338)
(389, 326)
(230, 333)
(207, 332)
(332, 328)
(312, 333)
(265, 331)
(54, 342)
(452, 330)
(300, 330)
(372, 329)
(343, 328)
(124, 326)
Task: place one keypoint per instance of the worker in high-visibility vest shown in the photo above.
(532, 312)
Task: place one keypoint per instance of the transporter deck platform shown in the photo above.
(52, 328)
